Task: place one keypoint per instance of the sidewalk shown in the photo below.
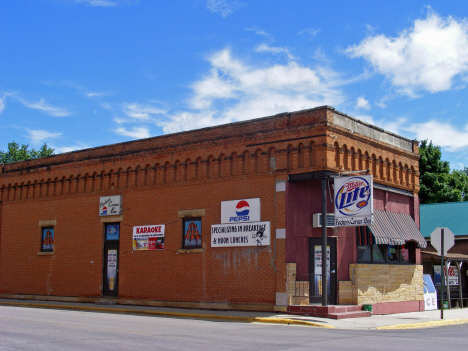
(394, 321)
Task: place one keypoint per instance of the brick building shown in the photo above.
(54, 242)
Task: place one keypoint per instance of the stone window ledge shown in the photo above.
(183, 251)
(45, 253)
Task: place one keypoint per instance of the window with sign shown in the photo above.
(388, 254)
(47, 239)
(192, 234)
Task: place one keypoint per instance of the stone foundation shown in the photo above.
(379, 283)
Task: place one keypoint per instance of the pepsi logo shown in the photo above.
(242, 208)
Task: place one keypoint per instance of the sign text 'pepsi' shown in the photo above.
(247, 210)
(353, 201)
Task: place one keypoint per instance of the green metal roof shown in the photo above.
(453, 215)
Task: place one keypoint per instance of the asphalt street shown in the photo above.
(23, 328)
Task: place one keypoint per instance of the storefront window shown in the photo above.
(390, 254)
(364, 253)
(393, 254)
(378, 253)
(406, 253)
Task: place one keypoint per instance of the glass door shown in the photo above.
(111, 260)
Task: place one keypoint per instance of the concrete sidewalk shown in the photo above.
(394, 321)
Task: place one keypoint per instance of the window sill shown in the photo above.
(182, 251)
(45, 253)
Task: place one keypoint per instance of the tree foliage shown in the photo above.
(437, 183)
(16, 153)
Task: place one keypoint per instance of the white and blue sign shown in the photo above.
(430, 293)
(110, 205)
(112, 232)
(245, 210)
(353, 201)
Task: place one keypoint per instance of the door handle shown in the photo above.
(333, 271)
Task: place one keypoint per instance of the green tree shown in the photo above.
(437, 183)
(16, 153)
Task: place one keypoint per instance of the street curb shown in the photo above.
(424, 324)
(269, 320)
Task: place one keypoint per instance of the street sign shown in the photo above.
(449, 239)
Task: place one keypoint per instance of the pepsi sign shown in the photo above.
(246, 210)
(353, 201)
(110, 205)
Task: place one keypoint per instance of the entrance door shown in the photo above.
(111, 261)
(315, 270)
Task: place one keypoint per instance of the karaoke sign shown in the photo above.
(353, 201)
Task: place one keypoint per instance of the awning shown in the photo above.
(406, 227)
(383, 230)
(390, 228)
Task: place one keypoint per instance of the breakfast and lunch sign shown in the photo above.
(353, 201)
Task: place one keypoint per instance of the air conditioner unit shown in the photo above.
(317, 220)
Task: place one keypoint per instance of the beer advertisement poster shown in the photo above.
(192, 233)
(47, 239)
(149, 237)
(353, 201)
(113, 232)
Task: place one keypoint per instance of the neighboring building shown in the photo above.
(452, 216)
(141, 221)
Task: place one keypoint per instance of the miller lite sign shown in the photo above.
(353, 201)
(245, 210)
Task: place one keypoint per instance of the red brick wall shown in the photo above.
(159, 177)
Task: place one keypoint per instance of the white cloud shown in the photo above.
(135, 132)
(223, 7)
(40, 136)
(43, 106)
(106, 3)
(312, 33)
(362, 103)
(141, 112)
(234, 91)
(259, 31)
(428, 56)
(94, 94)
(2, 104)
(441, 133)
(274, 50)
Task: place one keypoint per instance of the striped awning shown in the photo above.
(384, 231)
(407, 229)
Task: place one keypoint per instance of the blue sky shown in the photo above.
(83, 73)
